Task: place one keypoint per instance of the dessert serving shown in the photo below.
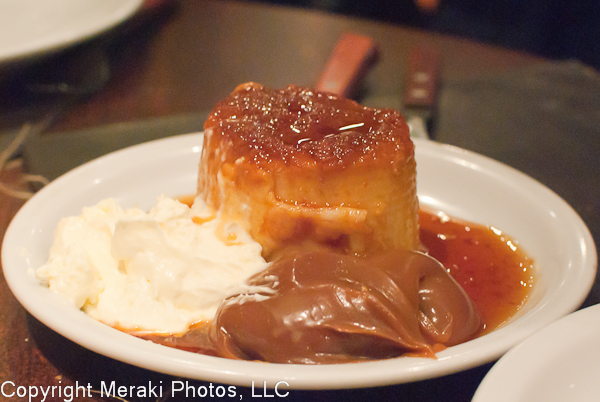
(301, 167)
(302, 245)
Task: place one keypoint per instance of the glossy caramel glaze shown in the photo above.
(298, 126)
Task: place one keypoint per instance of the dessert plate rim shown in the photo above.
(40, 27)
(557, 363)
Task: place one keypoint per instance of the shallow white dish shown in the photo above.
(558, 363)
(34, 27)
(461, 183)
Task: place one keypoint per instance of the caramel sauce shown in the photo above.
(189, 201)
(200, 221)
(297, 126)
(495, 273)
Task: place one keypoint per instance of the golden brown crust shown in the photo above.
(301, 127)
(295, 167)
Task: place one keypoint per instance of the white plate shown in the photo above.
(559, 363)
(34, 27)
(461, 183)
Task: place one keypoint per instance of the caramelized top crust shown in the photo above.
(302, 127)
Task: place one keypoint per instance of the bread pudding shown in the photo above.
(301, 168)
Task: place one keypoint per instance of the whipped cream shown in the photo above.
(159, 271)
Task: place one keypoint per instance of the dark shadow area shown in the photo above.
(557, 29)
(39, 90)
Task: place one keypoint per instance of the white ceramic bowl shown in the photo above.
(35, 27)
(461, 183)
(559, 363)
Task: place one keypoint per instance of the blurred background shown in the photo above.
(558, 29)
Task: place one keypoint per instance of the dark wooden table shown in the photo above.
(171, 64)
